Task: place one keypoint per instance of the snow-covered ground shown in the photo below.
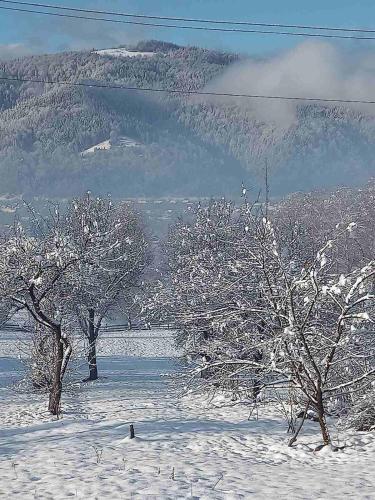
(184, 448)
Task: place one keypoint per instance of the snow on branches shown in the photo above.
(114, 253)
(251, 314)
(35, 266)
(69, 268)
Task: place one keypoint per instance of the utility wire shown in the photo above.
(185, 27)
(193, 20)
(186, 92)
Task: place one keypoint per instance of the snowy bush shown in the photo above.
(361, 414)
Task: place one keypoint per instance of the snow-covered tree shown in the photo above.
(304, 222)
(196, 253)
(208, 281)
(253, 313)
(114, 252)
(34, 276)
(319, 329)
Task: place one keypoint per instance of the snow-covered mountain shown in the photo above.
(185, 145)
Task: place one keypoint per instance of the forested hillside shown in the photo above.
(183, 145)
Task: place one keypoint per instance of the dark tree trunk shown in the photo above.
(322, 419)
(304, 415)
(56, 386)
(93, 367)
(257, 384)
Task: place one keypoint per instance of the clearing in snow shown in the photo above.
(120, 52)
(123, 142)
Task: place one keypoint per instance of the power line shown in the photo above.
(185, 27)
(187, 92)
(194, 20)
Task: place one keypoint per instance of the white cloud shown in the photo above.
(311, 69)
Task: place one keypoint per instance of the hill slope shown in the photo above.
(185, 146)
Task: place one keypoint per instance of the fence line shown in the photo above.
(16, 328)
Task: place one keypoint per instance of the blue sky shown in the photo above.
(21, 33)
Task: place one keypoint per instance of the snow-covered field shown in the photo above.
(124, 141)
(184, 448)
(102, 146)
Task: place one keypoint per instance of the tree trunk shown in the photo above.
(257, 384)
(322, 419)
(93, 367)
(56, 386)
(294, 438)
(67, 353)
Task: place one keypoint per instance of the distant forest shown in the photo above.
(185, 146)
